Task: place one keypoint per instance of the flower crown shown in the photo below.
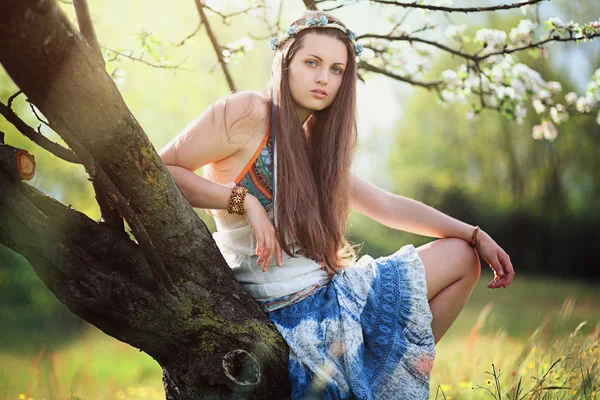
(310, 22)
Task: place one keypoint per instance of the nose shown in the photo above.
(322, 78)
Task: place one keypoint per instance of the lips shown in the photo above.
(320, 91)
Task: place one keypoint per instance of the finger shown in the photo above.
(267, 253)
(263, 250)
(498, 274)
(509, 269)
(277, 252)
(259, 243)
(497, 267)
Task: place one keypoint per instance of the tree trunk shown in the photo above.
(209, 336)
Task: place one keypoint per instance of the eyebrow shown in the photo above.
(320, 59)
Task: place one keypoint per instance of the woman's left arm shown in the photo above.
(402, 213)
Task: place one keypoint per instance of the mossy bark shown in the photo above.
(209, 336)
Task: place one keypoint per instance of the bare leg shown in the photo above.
(451, 269)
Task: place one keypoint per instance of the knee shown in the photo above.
(467, 259)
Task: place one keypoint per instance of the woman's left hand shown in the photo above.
(497, 259)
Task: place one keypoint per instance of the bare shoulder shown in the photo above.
(222, 130)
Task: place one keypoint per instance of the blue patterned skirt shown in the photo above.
(365, 335)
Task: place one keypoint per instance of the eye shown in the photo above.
(338, 69)
(311, 61)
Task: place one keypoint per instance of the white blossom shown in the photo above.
(571, 98)
(118, 76)
(448, 96)
(520, 113)
(455, 31)
(550, 131)
(494, 38)
(527, 9)
(584, 104)
(538, 105)
(523, 30)
(558, 116)
(505, 91)
(537, 132)
(471, 116)
(245, 43)
(517, 84)
(450, 77)
(556, 22)
(554, 87)
(497, 74)
(544, 94)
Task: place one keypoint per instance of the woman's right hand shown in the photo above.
(267, 244)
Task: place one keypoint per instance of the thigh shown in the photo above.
(447, 261)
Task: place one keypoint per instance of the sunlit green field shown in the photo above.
(522, 331)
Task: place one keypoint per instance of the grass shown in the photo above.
(525, 342)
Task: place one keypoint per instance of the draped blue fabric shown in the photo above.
(365, 335)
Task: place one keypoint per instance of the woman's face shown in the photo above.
(316, 73)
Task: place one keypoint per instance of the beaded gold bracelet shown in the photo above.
(236, 200)
(473, 241)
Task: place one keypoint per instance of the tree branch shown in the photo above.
(411, 39)
(311, 4)
(131, 57)
(210, 317)
(427, 85)
(436, 8)
(188, 37)
(86, 26)
(37, 138)
(551, 38)
(215, 43)
(226, 17)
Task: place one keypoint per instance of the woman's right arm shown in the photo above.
(206, 140)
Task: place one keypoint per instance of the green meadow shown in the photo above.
(533, 333)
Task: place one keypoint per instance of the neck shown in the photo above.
(303, 114)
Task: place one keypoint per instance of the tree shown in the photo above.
(169, 292)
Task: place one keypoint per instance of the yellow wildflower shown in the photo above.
(531, 365)
(462, 384)
(120, 394)
(584, 355)
(446, 388)
(131, 391)
(21, 396)
(533, 349)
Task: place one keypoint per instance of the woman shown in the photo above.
(362, 329)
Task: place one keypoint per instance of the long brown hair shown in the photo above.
(313, 162)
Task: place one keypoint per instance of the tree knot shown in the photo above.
(241, 367)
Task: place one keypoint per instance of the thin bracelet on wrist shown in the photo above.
(473, 241)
